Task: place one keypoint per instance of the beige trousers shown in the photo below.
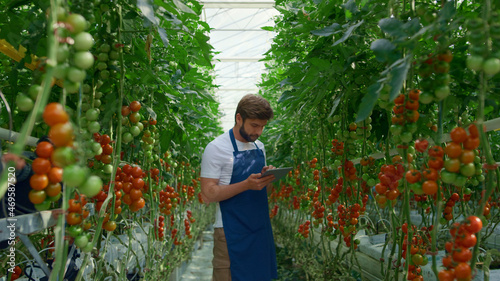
(220, 263)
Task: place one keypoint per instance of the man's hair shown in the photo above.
(254, 107)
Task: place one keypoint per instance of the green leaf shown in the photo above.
(447, 12)
(382, 48)
(163, 36)
(368, 102)
(351, 6)
(348, 33)
(320, 63)
(327, 31)
(183, 7)
(398, 75)
(148, 11)
(335, 105)
(392, 26)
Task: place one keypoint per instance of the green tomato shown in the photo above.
(45, 205)
(396, 130)
(92, 114)
(81, 241)
(76, 22)
(74, 175)
(76, 75)
(135, 131)
(83, 60)
(107, 169)
(406, 137)
(411, 127)
(127, 137)
(74, 230)
(460, 181)
(63, 156)
(88, 248)
(491, 66)
(448, 177)
(34, 91)
(474, 62)
(91, 186)
(62, 53)
(83, 41)
(24, 103)
(442, 92)
(468, 170)
(61, 70)
(94, 127)
(103, 57)
(426, 98)
(71, 87)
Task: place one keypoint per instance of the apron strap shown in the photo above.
(233, 141)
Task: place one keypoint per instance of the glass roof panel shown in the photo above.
(237, 35)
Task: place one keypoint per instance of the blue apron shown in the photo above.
(246, 222)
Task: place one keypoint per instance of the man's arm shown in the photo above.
(213, 192)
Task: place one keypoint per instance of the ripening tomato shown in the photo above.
(421, 145)
(430, 174)
(458, 135)
(436, 151)
(453, 149)
(44, 149)
(462, 271)
(446, 275)
(135, 106)
(61, 134)
(429, 187)
(461, 255)
(39, 181)
(53, 189)
(473, 131)
(471, 143)
(54, 113)
(474, 224)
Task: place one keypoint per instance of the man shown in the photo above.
(231, 170)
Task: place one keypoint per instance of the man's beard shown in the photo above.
(244, 134)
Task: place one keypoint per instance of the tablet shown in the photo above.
(278, 173)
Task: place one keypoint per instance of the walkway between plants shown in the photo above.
(200, 266)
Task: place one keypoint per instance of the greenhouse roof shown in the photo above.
(240, 42)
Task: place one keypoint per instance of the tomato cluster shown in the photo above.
(348, 219)
(17, 272)
(480, 58)
(274, 211)
(450, 203)
(133, 186)
(45, 182)
(436, 79)
(462, 160)
(405, 115)
(304, 229)
(335, 192)
(458, 251)
(159, 227)
(420, 242)
(168, 200)
(387, 188)
(337, 147)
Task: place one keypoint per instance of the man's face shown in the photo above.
(251, 129)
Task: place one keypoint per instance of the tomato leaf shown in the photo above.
(398, 75)
(148, 11)
(383, 49)
(181, 6)
(327, 31)
(368, 102)
(348, 33)
(163, 36)
(392, 27)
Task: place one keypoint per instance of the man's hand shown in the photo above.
(270, 167)
(255, 182)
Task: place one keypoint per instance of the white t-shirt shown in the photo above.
(217, 162)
